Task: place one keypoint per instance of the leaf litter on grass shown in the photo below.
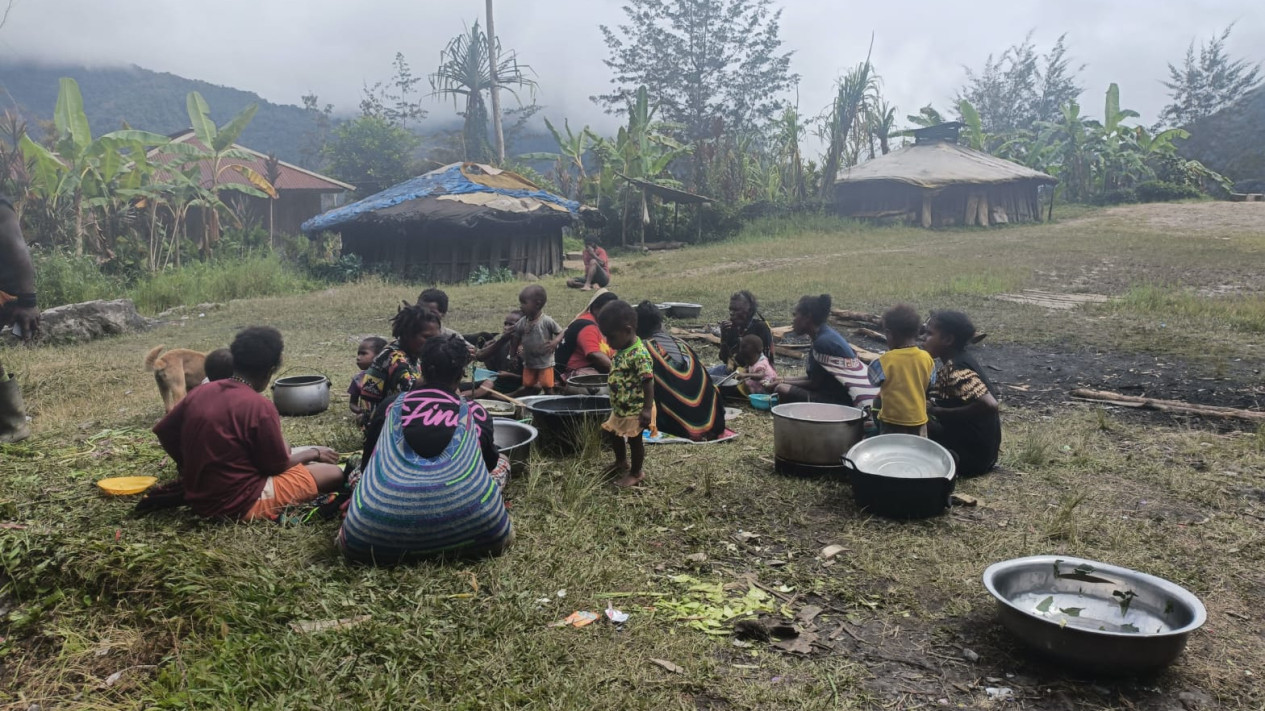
(710, 608)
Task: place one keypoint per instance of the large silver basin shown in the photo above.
(514, 439)
(815, 433)
(1095, 617)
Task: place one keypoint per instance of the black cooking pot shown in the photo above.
(901, 476)
(565, 423)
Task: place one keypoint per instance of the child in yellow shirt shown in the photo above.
(903, 374)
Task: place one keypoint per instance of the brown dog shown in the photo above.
(177, 371)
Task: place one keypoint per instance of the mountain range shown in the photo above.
(149, 100)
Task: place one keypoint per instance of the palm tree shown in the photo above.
(466, 70)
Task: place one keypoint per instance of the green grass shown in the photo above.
(1241, 312)
(197, 614)
(217, 282)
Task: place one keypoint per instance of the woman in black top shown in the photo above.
(744, 318)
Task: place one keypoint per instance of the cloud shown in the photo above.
(283, 50)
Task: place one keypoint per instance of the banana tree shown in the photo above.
(79, 168)
(975, 136)
(218, 152)
(571, 151)
(1076, 145)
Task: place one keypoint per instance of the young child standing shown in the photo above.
(755, 370)
(903, 374)
(539, 336)
(632, 391)
(365, 353)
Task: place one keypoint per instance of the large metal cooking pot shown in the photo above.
(514, 440)
(815, 434)
(901, 476)
(587, 385)
(566, 423)
(1095, 617)
(301, 395)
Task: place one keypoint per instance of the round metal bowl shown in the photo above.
(514, 439)
(588, 385)
(682, 310)
(498, 408)
(1095, 617)
(901, 476)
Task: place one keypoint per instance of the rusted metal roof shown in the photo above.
(290, 177)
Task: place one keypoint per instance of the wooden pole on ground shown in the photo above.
(1146, 403)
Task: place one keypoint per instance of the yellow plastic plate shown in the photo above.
(126, 485)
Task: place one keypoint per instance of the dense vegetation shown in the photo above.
(1229, 141)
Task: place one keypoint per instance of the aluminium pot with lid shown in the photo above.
(815, 434)
(299, 395)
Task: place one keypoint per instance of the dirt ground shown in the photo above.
(1184, 218)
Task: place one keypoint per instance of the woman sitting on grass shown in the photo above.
(226, 441)
(688, 402)
(426, 491)
(395, 369)
(835, 374)
(963, 406)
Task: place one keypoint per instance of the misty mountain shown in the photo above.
(153, 101)
(1232, 141)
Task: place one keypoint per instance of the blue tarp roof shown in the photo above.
(451, 180)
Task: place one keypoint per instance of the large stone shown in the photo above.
(78, 323)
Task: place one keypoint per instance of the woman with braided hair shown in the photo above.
(396, 368)
(427, 490)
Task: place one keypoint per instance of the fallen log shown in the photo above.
(780, 332)
(857, 316)
(1146, 403)
(870, 333)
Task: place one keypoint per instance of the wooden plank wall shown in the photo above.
(454, 256)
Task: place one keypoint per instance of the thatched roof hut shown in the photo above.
(449, 222)
(937, 182)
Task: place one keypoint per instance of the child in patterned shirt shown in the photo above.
(632, 391)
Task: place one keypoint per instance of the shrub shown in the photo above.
(1162, 191)
(62, 278)
(483, 275)
(219, 281)
(1120, 196)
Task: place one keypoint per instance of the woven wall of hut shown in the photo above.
(953, 205)
(452, 255)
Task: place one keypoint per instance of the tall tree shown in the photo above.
(371, 153)
(393, 100)
(312, 148)
(714, 66)
(465, 71)
(1207, 82)
(1020, 87)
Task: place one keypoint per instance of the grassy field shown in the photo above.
(101, 610)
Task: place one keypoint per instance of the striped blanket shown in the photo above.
(852, 375)
(408, 507)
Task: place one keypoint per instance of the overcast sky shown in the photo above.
(282, 49)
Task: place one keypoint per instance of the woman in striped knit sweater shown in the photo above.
(426, 491)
